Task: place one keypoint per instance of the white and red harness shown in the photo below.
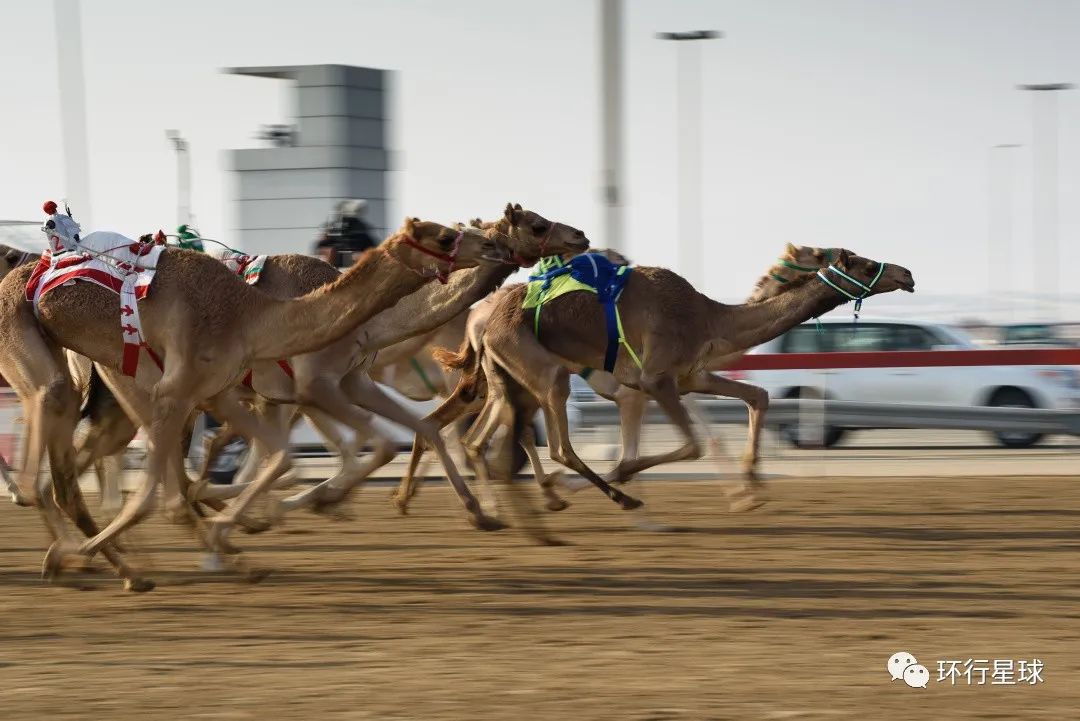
(126, 267)
(112, 261)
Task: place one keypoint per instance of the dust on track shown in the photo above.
(787, 612)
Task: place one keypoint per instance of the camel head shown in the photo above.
(435, 251)
(531, 236)
(10, 258)
(796, 261)
(854, 276)
(61, 230)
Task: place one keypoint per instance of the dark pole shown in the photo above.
(688, 117)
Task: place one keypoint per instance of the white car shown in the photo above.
(1015, 386)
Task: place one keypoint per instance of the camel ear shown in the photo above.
(512, 214)
(517, 206)
(409, 226)
(791, 251)
(476, 223)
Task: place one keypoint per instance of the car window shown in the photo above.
(910, 337)
(802, 339)
(858, 337)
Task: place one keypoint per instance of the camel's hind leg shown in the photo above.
(757, 403)
(462, 401)
(549, 382)
(364, 392)
(506, 403)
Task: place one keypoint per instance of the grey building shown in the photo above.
(334, 151)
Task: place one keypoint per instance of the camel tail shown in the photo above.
(464, 357)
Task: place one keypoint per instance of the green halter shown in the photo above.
(866, 288)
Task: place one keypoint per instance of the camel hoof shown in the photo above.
(218, 537)
(212, 563)
(254, 526)
(483, 522)
(255, 575)
(23, 499)
(56, 558)
(552, 541)
(629, 503)
(400, 503)
(333, 512)
(139, 585)
(557, 504)
(747, 502)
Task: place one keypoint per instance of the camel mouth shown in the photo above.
(908, 286)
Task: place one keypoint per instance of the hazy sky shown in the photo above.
(861, 123)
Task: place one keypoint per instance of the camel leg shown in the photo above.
(227, 406)
(549, 382)
(552, 500)
(69, 497)
(165, 430)
(516, 414)
(716, 442)
(109, 472)
(757, 403)
(664, 391)
(213, 444)
(364, 392)
(475, 442)
(631, 404)
(333, 490)
(460, 402)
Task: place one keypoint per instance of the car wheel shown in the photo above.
(790, 433)
(1014, 398)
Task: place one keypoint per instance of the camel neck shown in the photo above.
(285, 328)
(433, 305)
(739, 327)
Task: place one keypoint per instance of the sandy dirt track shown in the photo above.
(788, 612)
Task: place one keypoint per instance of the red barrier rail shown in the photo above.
(910, 359)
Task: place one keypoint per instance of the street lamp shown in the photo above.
(1044, 184)
(689, 225)
(183, 176)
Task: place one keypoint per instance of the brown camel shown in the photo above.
(207, 326)
(631, 402)
(322, 377)
(677, 333)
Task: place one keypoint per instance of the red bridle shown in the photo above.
(449, 258)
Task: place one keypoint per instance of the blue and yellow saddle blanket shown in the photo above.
(590, 272)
